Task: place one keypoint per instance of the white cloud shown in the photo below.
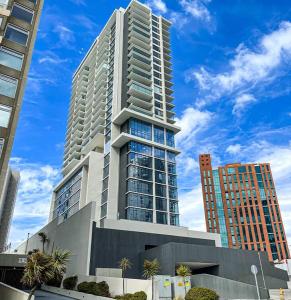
(50, 57)
(196, 8)
(289, 114)
(191, 122)
(66, 35)
(241, 102)
(233, 149)
(34, 196)
(248, 67)
(158, 6)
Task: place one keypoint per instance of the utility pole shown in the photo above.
(26, 247)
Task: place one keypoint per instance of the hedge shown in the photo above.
(136, 296)
(94, 288)
(70, 283)
(200, 293)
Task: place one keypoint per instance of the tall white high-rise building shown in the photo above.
(120, 146)
(118, 197)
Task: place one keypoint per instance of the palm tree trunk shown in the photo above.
(185, 288)
(32, 292)
(43, 247)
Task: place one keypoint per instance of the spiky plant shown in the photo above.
(41, 268)
(183, 271)
(124, 264)
(150, 269)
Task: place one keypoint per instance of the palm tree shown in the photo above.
(183, 271)
(124, 264)
(40, 268)
(44, 239)
(150, 269)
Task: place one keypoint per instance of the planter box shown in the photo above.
(72, 294)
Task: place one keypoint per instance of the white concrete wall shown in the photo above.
(73, 294)
(9, 293)
(116, 284)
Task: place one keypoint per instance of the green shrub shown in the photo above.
(55, 282)
(200, 293)
(94, 288)
(136, 296)
(70, 283)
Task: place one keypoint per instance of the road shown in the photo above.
(42, 295)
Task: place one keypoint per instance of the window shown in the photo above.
(141, 129)
(139, 214)
(161, 190)
(139, 186)
(141, 173)
(173, 193)
(1, 146)
(160, 177)
(1, 19)
(8, 86)
(10, 59)
(159, 164)
(5, 112)
(174, 207)
(22, 13)
(162, 218)
(141, 148)
(16, 35)
(160, 153)
(139, 200)
(159, 135)
(141, 160)
(174, 220)
(161, 204)
(170, 138)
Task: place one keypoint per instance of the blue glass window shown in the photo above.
(159, 135)
(173, 193)
(162, 218)
(139, 200)
(138, 186)
(172, 180)
(174, 207)
(161, 204)
(160, 177)
(160, 153)
(138, 214)
(171, 156)
(22, 13)
(140, 129)
(174, 220)
(172, 168)
(139, 159)
(170, 138)
(160, 164)
(16, 35)
(141, 148)
(141, 173)
(161, 190)
(10, 59)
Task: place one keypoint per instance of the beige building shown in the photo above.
(18, 26)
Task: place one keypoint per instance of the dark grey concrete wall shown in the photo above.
(232, 264)
(109, 246)
(122, 182)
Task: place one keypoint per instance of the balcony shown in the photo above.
(139, 91)
(139, 15)
(140, 103)
(137, 41)
(138, 75)
(140, 62)
(140, 35)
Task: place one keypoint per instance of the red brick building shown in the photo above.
(241, 204)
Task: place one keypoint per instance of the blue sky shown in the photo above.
(231, 62)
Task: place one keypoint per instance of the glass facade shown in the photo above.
(149, 132)
(67, 198)
(151, 189)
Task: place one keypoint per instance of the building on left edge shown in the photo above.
(19, 21)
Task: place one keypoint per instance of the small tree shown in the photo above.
(183, 271)
(124, 264)
(151, 268)
(40, 268)
(44, 239)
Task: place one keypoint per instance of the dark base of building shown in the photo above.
(109, 246)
